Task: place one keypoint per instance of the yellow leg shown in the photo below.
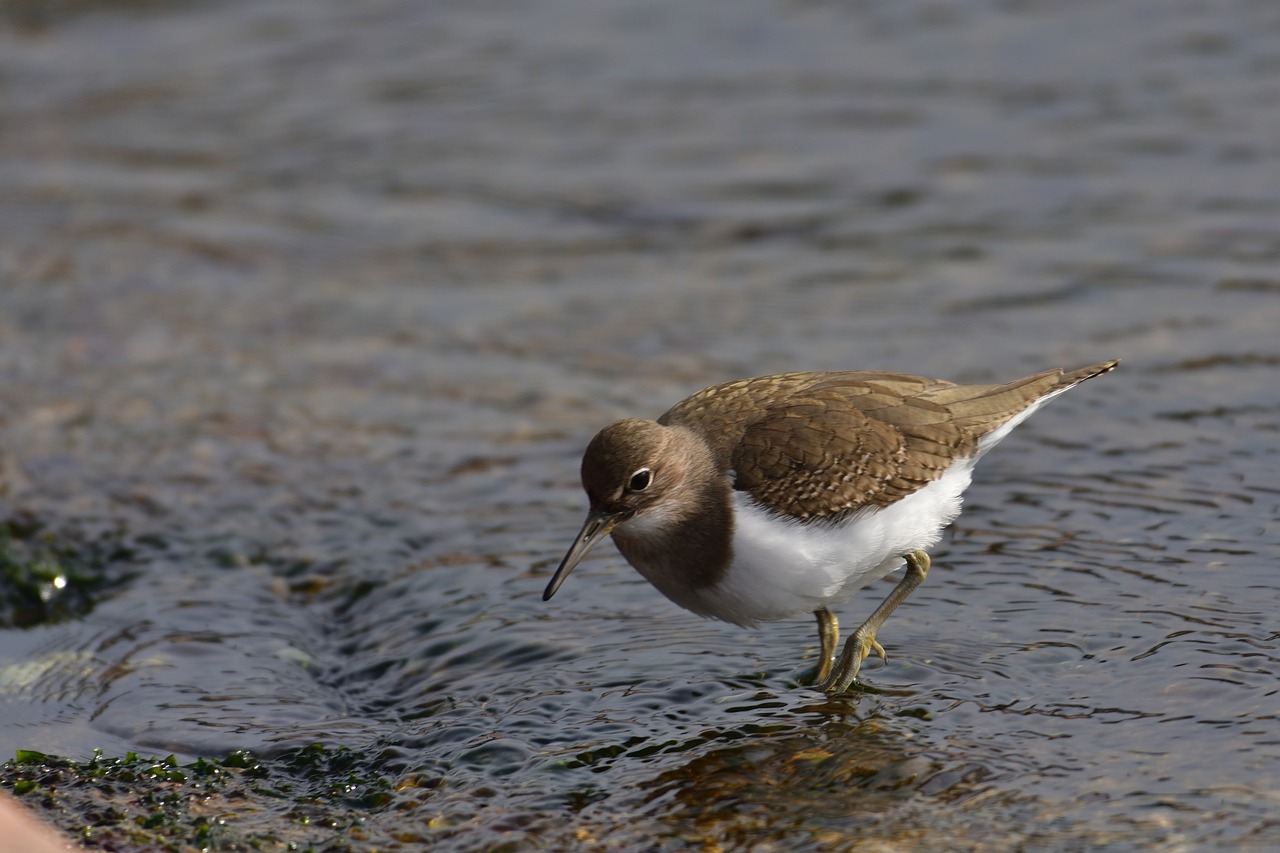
(829, 637)
(863, 642)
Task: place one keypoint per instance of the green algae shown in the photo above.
(313, 798)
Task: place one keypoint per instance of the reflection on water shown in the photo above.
(309, 309)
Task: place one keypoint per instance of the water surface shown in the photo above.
(308, 309)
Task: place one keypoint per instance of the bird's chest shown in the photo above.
(753, 566)
(781, 568)
(681, 555)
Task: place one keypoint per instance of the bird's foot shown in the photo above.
(829, 640)
(863, 642)
(856, 650)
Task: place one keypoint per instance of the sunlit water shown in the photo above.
(309, 308)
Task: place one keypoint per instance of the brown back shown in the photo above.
(823, 445)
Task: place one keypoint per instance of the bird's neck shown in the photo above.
(689, 546)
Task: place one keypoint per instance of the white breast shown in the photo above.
(782, 568)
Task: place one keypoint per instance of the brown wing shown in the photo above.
(848, 442)
(824, 445)
(809, 460)
(723, 412)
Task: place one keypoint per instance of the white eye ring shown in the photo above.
(640, 480)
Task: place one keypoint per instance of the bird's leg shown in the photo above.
(863, 641)
(829, 637)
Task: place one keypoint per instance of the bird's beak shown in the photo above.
(597, 526)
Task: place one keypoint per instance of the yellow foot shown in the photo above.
(856, 650)
(829, 640)
(863, 642)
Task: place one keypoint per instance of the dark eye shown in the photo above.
(639, 480)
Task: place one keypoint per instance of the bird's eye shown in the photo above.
(639, 480)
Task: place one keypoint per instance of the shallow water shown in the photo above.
(308, 310)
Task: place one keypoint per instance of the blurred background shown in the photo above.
(308, 308)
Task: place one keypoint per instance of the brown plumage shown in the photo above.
(823, 445)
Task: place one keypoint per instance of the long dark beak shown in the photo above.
(596, 527)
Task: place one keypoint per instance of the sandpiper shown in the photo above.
(765, 498)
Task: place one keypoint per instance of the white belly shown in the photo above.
(782, 568)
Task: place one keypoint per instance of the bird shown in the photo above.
(763, 499)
